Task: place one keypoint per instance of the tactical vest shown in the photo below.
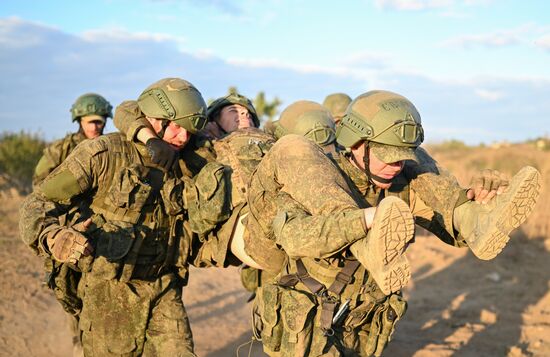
(139, 217)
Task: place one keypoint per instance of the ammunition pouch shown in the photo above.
(207, 198)
(266, 317)
(63, 281)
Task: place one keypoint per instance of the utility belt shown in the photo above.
(329, 297)
(298, 315)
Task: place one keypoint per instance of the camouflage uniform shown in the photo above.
(287, 211)
(55, 154)
(131, 287)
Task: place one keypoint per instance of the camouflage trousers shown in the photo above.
(134, 318)
(288, 323)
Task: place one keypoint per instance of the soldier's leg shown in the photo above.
(72, 321)
(486, 227)
(168, 331)
(382, 252)
(114, 316)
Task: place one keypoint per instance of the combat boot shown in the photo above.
(486, 227)
(382, 252)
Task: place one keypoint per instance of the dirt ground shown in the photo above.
(458, 305)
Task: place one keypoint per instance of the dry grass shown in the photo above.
(463, 162)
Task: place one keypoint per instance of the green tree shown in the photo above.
(266, 109)
(19, 154)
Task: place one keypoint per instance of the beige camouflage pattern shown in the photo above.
(129, 119)
(55, 154)
(287, 186)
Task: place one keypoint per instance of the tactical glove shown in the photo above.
(68, 245)
(486, 184)
(162, 153)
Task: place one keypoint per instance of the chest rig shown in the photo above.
(138, 213)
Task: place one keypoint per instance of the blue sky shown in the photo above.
(478, 70)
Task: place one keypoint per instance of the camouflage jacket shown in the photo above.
(55, 154)
(140, 213)
(299, 176)
(305, 207)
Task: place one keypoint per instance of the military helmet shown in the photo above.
(91, 104)
(234, 98)
(176, 100)
(308, 119)
(337, 103)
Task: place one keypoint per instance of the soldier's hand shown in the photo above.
(486, 184)
(68, 245)
(162, 153)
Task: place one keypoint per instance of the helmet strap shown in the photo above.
(370, 175)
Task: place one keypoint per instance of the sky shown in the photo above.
(477, 70)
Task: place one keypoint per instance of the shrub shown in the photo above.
(19, 154)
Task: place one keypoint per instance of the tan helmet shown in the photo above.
(337, 104)
(308, 119)
(176, 100)
(386, 119)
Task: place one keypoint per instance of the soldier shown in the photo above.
(229, 113)
(339, 229)
(91, 112)
(271, 259)
(307, 119)
(337, 103)
(134, 245)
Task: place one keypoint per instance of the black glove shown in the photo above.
(162, 153)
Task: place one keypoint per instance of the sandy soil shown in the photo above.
(458, 305)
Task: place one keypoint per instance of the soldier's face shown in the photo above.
(176, 136)
(92, 129)
(376, 166)
(233, 117)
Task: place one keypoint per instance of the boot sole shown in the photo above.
(524, 191)
(394, 228)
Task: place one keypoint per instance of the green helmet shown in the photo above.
(176, 100)
(308, 119)
(382, 117)
(91, 104)
(216, 106)
(337, 103)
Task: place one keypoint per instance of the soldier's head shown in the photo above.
(175, 109)
(382, 130)
(232, 112)
(305, 118)
(91, 111)
(337, 104)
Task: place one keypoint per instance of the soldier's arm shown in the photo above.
(77, 175)
(435, 193)
(50, 159)
(130, 121)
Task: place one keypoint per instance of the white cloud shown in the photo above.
(490, 95)
(412, 5)
(61, 66)
(419, 5)
(366, 60)
(122, 35)
(501, 38)
(543, 42)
